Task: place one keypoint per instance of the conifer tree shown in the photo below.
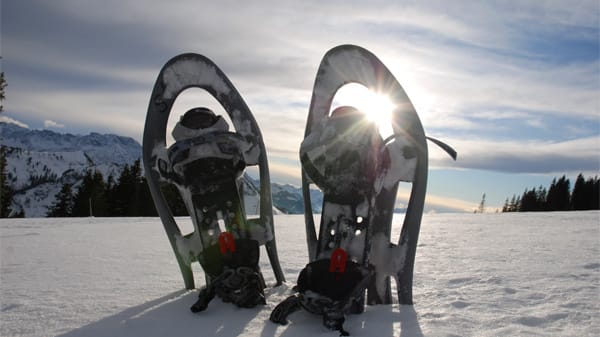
(594, 186)
(2, 86)
(122, 192)
(6, 191)
(135, 198)
(63, 206)
(90, 193)
(481, 208)
(580, 199)
(559, 198)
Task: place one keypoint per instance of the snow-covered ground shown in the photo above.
(535, 274)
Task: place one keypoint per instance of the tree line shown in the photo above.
(558, 197)
(127, 195)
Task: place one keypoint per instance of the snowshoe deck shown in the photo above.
(207, 169)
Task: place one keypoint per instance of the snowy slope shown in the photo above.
(535, 274)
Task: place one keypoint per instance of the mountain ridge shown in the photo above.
(40, 161)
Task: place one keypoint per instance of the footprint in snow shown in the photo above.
(460, 304)
(592, 266)
(533, 321)
(510, 291)
(461, 280)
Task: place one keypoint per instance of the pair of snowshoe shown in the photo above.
(343, 154)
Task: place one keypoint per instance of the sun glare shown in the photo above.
(377, 107)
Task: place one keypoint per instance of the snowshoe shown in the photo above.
(206, 164)
(345, 156)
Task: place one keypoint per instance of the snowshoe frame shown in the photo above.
(182, 72)
(352, 64)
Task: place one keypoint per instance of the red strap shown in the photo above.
(338, 261)
(226, 242)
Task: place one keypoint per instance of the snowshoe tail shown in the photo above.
(189, 164)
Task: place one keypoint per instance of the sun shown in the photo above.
(377, 107)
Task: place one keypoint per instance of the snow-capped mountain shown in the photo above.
(98, 148)
(40, 161)
(287, 199)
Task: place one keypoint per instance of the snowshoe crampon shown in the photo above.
(344, 155)
(206, 164)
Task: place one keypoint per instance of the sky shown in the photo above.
(513, 86)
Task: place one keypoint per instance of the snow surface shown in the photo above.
(520, 274)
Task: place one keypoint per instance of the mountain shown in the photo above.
(287, 199)
(40, 161)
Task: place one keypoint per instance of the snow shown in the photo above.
(520, 274)
(186, 72)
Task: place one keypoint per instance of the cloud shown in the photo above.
(434, 201)
(530, 156)
(6, 119)
(441, 202)
(52, 124)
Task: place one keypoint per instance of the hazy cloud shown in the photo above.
(52, 124)
(6, 119)
(532, 156)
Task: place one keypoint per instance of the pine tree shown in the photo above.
(98, 198)
(505, 207)
(135, 199)
(595, 192)
(146, 202)
(481, 208)
(122, 192)
(513, 205)
(527, 201)
(564, 194)
(2, 86)
(541, 198)
(6, 191)
(580, 199)
(91, 191)
(63, 206)
(559, 197)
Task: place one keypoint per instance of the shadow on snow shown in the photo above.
(170, 316)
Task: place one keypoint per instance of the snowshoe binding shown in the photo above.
(344, 155)
(206, 164)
